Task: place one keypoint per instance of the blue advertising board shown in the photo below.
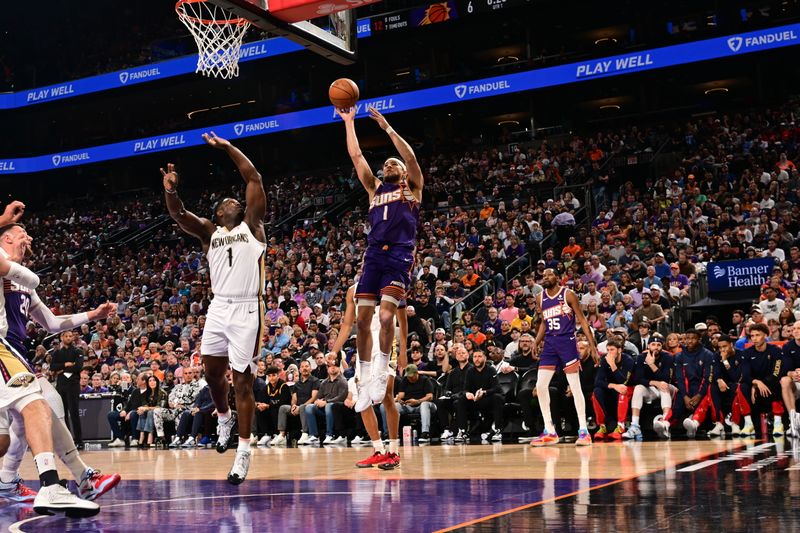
(419, 99)
(726, 276)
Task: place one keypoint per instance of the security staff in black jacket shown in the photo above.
(68, 363)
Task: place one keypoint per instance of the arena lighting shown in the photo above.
(215, 108)
(402, 73)
(508, 123)
(717, 90)
(639, 61)
(510, 59)
(603, 40)
(610, 106)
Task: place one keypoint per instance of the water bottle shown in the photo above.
(414, 441)
(406, 435)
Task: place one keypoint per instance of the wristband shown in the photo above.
(389, 130)
(22, 275)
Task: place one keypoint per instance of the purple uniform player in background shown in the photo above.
(560, 312)
(386, 271)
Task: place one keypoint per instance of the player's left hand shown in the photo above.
(376, 115)
(214, 141)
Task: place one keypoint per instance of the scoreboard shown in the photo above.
(479, 7)
(437, 12)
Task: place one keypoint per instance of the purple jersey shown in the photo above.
(559, 319)
(393, 216)
(17, 304)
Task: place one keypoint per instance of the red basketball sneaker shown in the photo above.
(392, 461)
(94, 484)
(16, 491)
(373, 460)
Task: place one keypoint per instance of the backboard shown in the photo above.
(331, 35)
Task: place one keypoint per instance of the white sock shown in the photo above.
(394, 446)
(748, 420)
(224, 417)
(7, 476)
(791, 414)
(634, 420)
(574, 380)
(244, 445)
(45, 462)
(381, 362)
(364, 370)
(378, 446)
(777, 419)
(64, 446)
(543, 393)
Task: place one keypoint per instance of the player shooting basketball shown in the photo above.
(394, 205)
(234, 244)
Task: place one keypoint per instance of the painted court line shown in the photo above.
(568, 495)
(17, 526)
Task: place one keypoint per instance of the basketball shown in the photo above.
(343, 93)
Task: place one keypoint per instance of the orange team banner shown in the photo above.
(298, 10)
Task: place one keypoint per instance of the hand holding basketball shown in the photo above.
(376, 115)
(170, 178)
(214, 141)
(348, 115)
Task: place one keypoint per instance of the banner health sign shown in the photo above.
(447, 94)
(726, 276)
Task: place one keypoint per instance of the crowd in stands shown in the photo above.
(731, 195)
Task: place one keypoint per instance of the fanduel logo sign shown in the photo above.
(754, 41)
(255, 127)
(125, 77)
(71, 158)
(484, 89)
(734, 275)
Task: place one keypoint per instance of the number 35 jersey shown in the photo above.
(236, 263)
(559, 320)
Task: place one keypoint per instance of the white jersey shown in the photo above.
(236, 263)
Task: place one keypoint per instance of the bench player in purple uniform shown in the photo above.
(386, 272)
(560, 311)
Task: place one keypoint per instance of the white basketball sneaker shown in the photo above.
(241, 465)
(56, 499)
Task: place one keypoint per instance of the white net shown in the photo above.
(218, 34)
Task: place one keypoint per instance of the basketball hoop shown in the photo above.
(218, 34)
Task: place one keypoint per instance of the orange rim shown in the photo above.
(180, 9)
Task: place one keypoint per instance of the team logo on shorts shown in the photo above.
(21, 380)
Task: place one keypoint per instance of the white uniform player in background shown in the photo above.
(21, 395)
(235, 244)
(19, 305)
(381, 387)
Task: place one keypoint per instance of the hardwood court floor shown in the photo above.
(487, 488)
